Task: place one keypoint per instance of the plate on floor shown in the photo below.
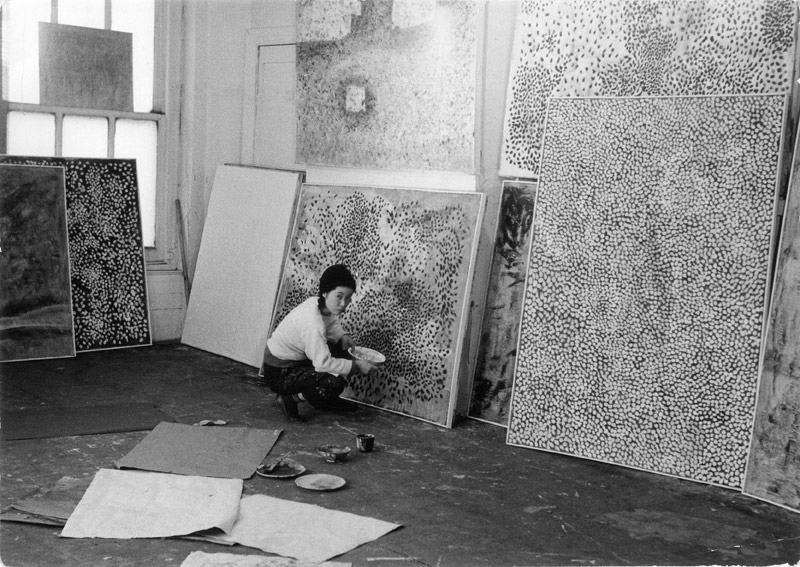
(320, 482)
(287, 468)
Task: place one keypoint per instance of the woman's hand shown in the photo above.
(364, 366)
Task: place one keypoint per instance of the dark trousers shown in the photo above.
(303, 379)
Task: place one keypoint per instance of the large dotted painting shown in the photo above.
(109, 295)
(387, 83)
(412, 254)
(639, 48)
(35, 309)
(773, 471)
(494, 372)
(644, 301)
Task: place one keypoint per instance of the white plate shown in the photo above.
(367, 354)
(320, 482)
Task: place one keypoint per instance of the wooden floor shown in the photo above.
(463, 497)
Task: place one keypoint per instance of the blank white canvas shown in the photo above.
(239, 263)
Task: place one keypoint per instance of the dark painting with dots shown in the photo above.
(494, 371)
(387, 83)
(412, 254)
(35, 306)
(645, 296)
(106, 255)
(565, 48)
(773, 470)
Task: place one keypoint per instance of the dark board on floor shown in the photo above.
(46, 422)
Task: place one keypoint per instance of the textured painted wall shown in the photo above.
(494, 372)
(109, 292)
(639, 48)
(644, 304)
(35, 305)
(411, 253)
(377, 88)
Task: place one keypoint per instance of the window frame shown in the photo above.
(165, 114)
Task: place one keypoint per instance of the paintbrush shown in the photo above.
(271, 465)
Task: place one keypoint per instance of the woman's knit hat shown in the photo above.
(335, 276)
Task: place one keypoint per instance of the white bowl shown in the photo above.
(368, 354)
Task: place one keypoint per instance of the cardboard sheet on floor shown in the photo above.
(239, 262)
(222, 452)
(51, 505)
(135, 504)
(203, 559)
(303, 531)
(46, 422)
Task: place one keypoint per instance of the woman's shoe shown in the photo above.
(288, 407)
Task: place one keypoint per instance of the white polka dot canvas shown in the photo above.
(106, 254)
(639, 48)
(645, 293)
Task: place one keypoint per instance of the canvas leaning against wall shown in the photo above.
(639, 48)
(240, 261)
(645, 297)
(387, 84)
(494, 371)
(35, 304)
(106, 256)
(773, 470)
(412, 254)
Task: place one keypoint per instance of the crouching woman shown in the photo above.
(306, 357)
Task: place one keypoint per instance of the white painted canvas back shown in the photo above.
(240, 261)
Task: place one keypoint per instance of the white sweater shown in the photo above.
(304, 334)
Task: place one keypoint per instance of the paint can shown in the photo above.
(365, 442)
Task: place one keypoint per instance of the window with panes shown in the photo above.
(34, 127)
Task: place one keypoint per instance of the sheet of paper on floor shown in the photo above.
(303, 531)
(51, 505)
(203, 559)
(221, 452)
(135, 504)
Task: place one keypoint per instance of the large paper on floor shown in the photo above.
(51, 505)
(303, 531)
(203, 559)
(239, 263)
(132, 504)
(222, 452)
